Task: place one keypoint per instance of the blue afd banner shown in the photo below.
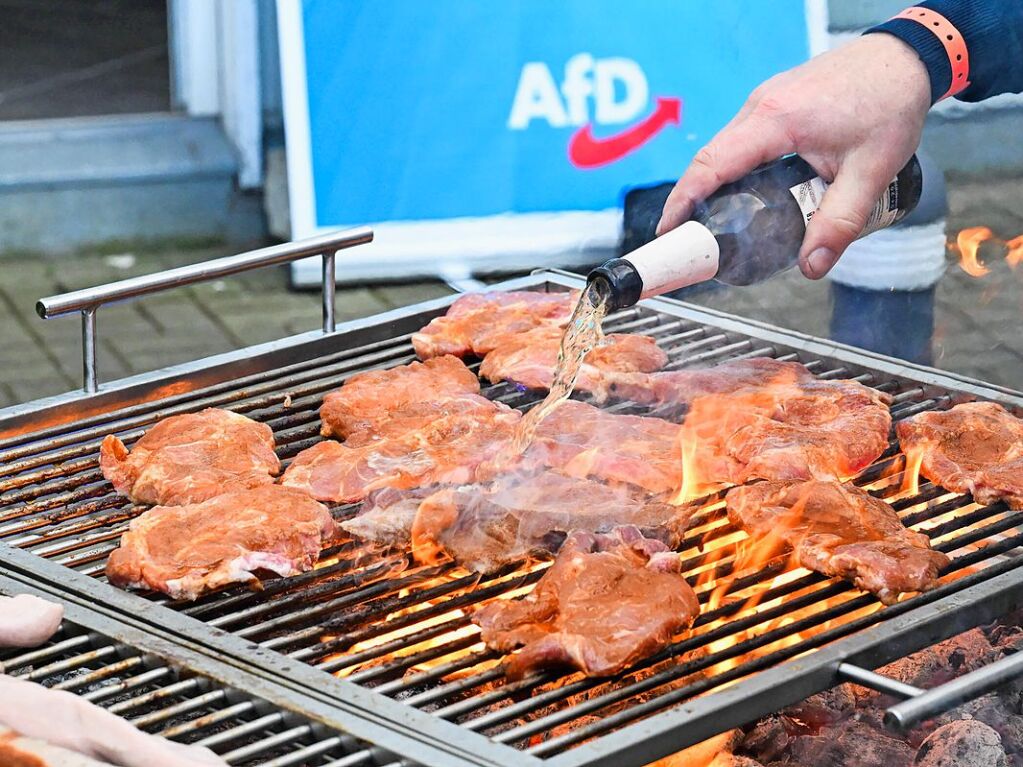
(507, 130)
(418, 110)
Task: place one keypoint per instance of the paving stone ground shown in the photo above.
(978, 322)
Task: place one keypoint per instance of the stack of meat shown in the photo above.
(430, 457)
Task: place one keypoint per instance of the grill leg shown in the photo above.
(329, 287)
(90, 378)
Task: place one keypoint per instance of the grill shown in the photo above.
(372, 644)
(176, 700)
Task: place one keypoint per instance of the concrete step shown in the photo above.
(102, 182)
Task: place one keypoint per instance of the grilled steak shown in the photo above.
(787, 425)
(583, 441)
(973, 448)
(191, 458)
(447, 450)
(185, 551)
(386, 516)
(477, 322)
(381, 403)
(680, 387)
(529, 359)
(838, 530)
(483, 527)
(607, 602)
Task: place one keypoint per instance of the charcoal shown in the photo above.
(769, 739)
(731, 760)
(824, 708)
(935, 665)
(963, 743)
(851, 742)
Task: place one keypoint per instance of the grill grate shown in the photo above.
(404, 631)
(165, 700)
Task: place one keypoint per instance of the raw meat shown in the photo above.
(185, 551)
(191, 458)
(386, 516)
(529, 359)
(789, 426)
(447, 450)
(66, 721)
(584, 441)
(973, 448)
(28, 621)
(477, 322)
(838, 530)
(365, 407)
(607, 602)
(483, 527)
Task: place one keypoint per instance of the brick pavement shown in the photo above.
(979, 322)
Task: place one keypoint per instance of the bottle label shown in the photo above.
(884, 213)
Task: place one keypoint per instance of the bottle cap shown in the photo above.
(684, 256)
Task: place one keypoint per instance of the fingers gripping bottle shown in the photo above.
(744, 233)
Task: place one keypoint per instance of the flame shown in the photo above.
(691, 486)
(430, 621)
(1015, 251)
(911, 474)
(969, 242)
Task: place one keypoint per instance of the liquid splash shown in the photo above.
(584, 332)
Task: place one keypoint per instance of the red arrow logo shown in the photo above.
(586, 151)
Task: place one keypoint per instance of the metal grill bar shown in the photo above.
(403, 630)
(186, 710)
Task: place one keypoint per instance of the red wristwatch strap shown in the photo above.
(950, 38)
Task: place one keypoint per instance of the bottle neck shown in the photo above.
(682, 257)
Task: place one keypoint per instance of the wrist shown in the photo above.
(905, 67)
(917, 39)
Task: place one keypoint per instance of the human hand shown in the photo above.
(855, 114)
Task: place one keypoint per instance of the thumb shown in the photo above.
(840, 219)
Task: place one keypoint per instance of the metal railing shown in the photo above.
(88, 300)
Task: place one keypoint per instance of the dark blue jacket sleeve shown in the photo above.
(993, 30)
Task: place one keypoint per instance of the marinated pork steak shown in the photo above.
(185, 551)
(838, 530)
(483, 527)
(477, 322)
(386, 516)
(680, 387)
(381, 403)
(791, 426)
(607, 602)
(583, 441)
(191, 458)
(529, 359)
(973, 448)
(447, 451)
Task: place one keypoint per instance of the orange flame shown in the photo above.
(911, 475)
(969, 241)
(1015, 254)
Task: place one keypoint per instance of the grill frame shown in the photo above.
(94, 635)
(374, 716)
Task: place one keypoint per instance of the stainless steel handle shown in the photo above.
(88, 300)
(920, 705)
